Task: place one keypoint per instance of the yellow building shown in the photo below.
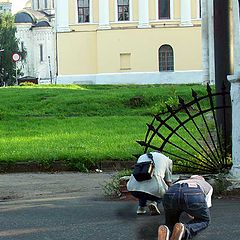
(129, 41)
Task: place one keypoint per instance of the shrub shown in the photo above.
(23, 84)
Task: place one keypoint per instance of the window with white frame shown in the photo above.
(83, 11)
(123, 10)
(166, 58)
(164, 9)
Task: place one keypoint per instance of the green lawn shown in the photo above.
(80, 123)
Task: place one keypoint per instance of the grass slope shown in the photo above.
(80, 124)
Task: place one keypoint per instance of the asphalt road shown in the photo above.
(88, 215)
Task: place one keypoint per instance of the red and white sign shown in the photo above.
(15, 57)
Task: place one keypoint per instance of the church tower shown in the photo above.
(5, 6)
(44, 5)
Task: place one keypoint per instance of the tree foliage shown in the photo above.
(9, 43)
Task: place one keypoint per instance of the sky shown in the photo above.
(17, 5)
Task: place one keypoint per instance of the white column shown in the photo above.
(186, 17)
(143, 14)
(205, 42)
(62, 16)
(104, 14)
(235, 94)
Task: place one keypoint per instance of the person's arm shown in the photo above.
(209, 198)
(168, 174)
(168, 183)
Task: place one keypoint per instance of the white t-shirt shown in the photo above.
(155, 186)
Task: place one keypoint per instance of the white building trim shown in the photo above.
(186, 17)
(62, 16)
(104, 14)
(178, 77)
(143, 11)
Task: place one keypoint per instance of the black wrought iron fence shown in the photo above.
(191, 135)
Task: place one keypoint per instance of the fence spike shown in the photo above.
(209, 90)
(169, 108)
(142, 143)
(151, 127)
(194, 94)
(158, 118)
(181, 100)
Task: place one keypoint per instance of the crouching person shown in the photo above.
(150, 192)
(192, 196)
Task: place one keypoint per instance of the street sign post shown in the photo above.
(16, 58)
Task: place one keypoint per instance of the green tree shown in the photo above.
(8, 43)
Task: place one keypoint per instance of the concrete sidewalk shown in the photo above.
(16, 186)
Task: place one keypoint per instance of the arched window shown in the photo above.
(166, 58)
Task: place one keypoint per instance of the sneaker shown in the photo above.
(153, 208)
(141, 210)
(163, 232)
(178, 231)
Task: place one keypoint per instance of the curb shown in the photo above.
(59, 166)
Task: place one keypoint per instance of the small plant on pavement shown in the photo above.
(112, 187)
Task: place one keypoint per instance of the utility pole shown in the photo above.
(50, 69)
(1, 68)
(222, 43)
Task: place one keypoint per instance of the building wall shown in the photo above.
(80, 53)
(85, 51)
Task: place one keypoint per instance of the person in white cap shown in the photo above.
(192, 196)
(150, 192)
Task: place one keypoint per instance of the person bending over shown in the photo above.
(150, 192)
(192, 196)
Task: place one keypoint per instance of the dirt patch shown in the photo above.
(40, 185)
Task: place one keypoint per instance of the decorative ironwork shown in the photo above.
(190, 135)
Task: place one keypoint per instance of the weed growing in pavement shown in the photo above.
(112, 187)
